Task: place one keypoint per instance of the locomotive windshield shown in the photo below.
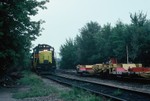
(43, 47)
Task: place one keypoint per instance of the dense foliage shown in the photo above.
(17, 30)
(96, 44)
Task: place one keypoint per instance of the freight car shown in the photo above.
(43, 58)
(114, 69)
(85, 69)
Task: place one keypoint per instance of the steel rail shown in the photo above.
(104, 90)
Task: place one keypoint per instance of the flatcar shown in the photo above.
(114, 69)
(43, 58)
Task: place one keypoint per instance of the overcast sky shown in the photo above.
(64, 18)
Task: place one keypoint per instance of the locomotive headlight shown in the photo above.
(45, 50)
(51, 49)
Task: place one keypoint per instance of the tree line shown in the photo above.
(96, 44)
(17, 30)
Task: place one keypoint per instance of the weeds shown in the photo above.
(38, 88)
(79, 95)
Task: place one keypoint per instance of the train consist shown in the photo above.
(113, 69)
(43, 58)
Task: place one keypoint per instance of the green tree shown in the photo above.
(140, 31)
(17, 31)
(119, 40)
(68, 55)
(97, 44)
(103, 44)
(86, 43)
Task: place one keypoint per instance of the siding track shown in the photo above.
(112, 92)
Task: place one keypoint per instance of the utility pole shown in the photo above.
(127, 51)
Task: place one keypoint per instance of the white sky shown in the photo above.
(64, 18)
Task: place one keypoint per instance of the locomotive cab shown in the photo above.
(43, 58)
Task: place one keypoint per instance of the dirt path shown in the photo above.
(6, 94)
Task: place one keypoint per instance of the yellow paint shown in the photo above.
(45, 55)
(127, 66)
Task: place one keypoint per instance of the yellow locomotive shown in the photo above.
(43, 58)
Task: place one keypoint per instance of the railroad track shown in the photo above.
(124, 79)
(114, 93)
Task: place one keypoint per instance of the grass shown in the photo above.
(35, 92)
(30, 79)
(79, 95)
(36, 85)
(38, 88)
